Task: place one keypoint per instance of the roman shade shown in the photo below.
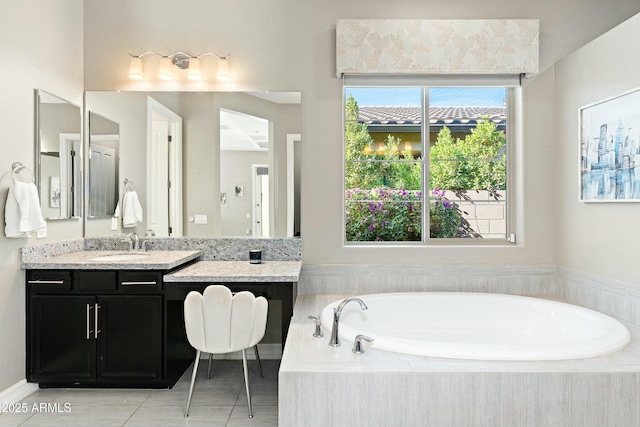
(437, 46)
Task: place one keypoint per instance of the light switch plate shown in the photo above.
(201, 219)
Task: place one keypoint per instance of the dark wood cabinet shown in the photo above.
(61, 341)
(92, 331)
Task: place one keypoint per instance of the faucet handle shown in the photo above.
(357, 343)
(318, 332)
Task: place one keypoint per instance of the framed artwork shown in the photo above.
(54, 192)
(610, 149)
(239, 190)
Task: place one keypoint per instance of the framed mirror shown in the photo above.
(104, 153)
(197, 185)
(59, 161)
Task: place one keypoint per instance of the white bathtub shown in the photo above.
(478, 326)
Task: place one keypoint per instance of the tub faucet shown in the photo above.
(335, 341)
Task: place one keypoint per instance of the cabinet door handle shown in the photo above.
(96, 330)
(138, 283)
(89, 307)
(45, 282)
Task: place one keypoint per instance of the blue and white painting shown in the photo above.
(610, 150)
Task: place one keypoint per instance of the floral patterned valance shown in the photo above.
(438, 46)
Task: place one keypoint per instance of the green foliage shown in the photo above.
(476, 162)
(383, 214)
(384, 188)
(368, 168)
(388, 215)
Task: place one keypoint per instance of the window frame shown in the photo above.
(513, 136)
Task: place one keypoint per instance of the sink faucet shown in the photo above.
(334, 341)
(134, 241)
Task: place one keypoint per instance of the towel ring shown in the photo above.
(128, 185)
(17, 169)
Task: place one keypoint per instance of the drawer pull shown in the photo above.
(138, 283)
(45, 282)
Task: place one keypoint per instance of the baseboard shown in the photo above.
(267, 351)
(17, 392)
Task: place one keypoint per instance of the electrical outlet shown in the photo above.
(114, 223)
(41, 234)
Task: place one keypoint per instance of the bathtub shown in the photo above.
(478, 326)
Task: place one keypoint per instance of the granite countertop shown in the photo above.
(112, 260)
(237, 271)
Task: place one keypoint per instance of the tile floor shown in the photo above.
(220, 402)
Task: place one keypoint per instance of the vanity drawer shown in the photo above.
(136, 281)
(48, 280)
(98, 281)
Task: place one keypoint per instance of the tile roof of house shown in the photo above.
(412, 115)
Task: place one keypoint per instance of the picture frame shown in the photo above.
(609, 147)
(239, 190)
(54, 192)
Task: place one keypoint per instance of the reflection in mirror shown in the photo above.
(198, 171)
(59, 170)
(244, 174)
(104, 145)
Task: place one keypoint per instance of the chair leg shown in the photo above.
(193, 381)
(246, 380)
(255, 349)
(209, 369)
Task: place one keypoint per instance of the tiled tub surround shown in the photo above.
(369, 279)
(320, 385)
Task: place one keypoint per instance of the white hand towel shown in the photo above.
(131, 209)
(22, 210)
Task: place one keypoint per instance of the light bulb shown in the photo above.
(194, 69)
(223, 69)
(165, 68)
(135, 68)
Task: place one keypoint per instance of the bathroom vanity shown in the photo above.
(98, 318)
(115, 318)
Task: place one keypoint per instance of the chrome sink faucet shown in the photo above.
(334, 341)
(134, 241)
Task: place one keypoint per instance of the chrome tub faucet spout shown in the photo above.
(335, 341)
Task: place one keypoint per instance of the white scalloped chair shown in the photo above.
(219, 322)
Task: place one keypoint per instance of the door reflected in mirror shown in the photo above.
(104, 147)
(59, 148)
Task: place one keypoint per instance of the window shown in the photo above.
(440, 147)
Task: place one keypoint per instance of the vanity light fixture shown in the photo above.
(181, 60)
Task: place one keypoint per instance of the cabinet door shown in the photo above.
(62, 344)
(129, 338)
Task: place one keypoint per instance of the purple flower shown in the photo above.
(370, 228)
(447, 204)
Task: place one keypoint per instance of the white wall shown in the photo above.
(41, 46)
(598, 238)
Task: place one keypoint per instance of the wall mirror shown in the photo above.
(59, 161)
(200, 161)
(104, 147)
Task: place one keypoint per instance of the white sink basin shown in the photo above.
(120, 257)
